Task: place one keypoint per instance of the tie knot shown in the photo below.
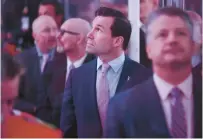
(176, 93)
(45, 57)
(71, 66)
(105, 67)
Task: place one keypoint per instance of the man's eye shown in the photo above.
(97, 29)
(162, 34)
(181, 33)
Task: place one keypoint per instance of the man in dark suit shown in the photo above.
(72, 38)
(90, 86)
(146, 7)
(170, 103)
(40, 63)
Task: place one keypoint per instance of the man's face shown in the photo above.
(45, 35)
(9, 92)
(169, 42)
(68, 37)
(47, 10)
(146, 7)
(100, 40)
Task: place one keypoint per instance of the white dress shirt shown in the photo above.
(76, 64)
(113, 74)
(142, 26)
(164, 89)
(44, 61)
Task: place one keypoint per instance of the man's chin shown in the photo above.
(175, 63)
(89, 50)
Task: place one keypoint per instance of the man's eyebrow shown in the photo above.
(100, 26)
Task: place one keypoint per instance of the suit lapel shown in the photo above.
(93, 92)
(197, 96)
(91, 99)
(88, 58)
(125, 74)
(35, 60)
(156, 113)
(36, 77)
(158, 121)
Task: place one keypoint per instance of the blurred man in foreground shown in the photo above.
(169, 104)
(15, 123)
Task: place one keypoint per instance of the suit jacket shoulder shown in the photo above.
(89, 58)
(137, 112)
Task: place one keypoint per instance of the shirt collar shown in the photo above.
(51, 53)
(140, 24)
(115, 64)
(164, 87)
(77, 63)
(186, 86)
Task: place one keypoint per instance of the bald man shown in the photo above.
(72, 37)
(38, 88)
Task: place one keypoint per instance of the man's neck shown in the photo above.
(108, 58)
(173, 76)
(43, 51)
(74, 56)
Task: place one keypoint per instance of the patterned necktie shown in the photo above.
(103, 93)
(179, 125)
(68, 71)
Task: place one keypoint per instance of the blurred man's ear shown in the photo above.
(118, 41)
(197, 48)
(148, 51)
(81, 39)
(33, 34)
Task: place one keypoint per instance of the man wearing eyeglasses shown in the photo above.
(72, 37)
(37, 88)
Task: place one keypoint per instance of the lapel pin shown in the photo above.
(128, 78)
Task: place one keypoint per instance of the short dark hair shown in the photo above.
(121, 25)
(58, 8)
(10, 67)
(171, 11)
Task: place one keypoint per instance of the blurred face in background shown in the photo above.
(9, 92)
(146, 7)
(44, 33)
(47, 10)
(197, 30)
(169, 43)
(50, 10)
(73, 34)
(68, 37)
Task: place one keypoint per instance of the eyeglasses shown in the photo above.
(62, 31)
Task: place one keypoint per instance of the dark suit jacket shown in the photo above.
(144, 60)
(198, 69)
(80, 116)
(56, 88)
(34, 84)
(41, 93)
(138, 113)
